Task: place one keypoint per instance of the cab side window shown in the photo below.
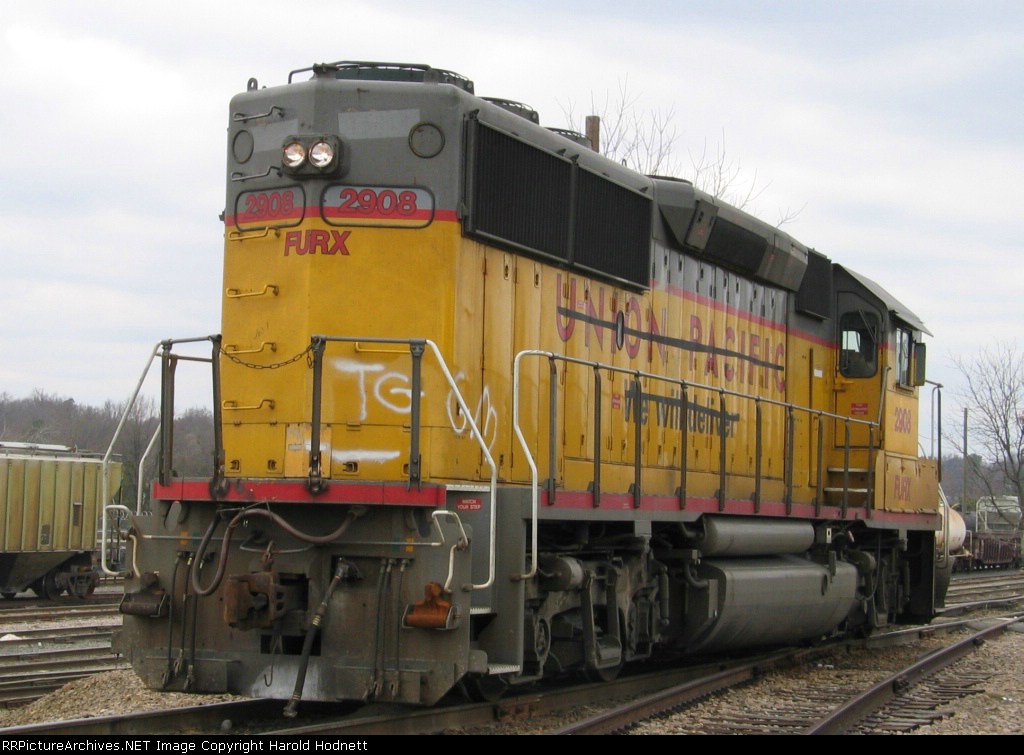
(858, 344)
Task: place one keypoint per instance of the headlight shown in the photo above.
(293, 155)
(321, 154)
(314, 155)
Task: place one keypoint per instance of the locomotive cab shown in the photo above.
(879, 368)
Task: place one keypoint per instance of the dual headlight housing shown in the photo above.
(312, 155)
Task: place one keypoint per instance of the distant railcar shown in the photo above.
(993, 536)
(50, 504)
(491, 407)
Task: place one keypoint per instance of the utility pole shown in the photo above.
(963, 494)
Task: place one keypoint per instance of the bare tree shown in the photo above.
(722, 177)
(645, 142)
(993, 400)
(642, 142)
(136, 433)
(50, 419)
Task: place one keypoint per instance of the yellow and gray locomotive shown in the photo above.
(491, 407)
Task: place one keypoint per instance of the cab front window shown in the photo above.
(904, 356)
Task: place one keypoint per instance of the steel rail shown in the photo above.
(857, 709)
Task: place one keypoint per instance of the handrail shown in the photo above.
(106, 461)
(685, 388)
(936, 423)
(944, 502)
(416, 347)
(142, 463)
(160, 348)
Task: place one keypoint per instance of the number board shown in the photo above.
(270, 209)
(403, 207)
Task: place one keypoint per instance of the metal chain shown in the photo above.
(273, 366)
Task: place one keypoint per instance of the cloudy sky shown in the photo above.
(892, 132)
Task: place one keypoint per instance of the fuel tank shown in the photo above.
(764, 601)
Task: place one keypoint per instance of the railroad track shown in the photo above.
(104, 596)
(455, 716)
(974, 587)
(538, 711)
(46, 644)
(906, 697)
(34, 682)
(517, 712)
(35, 665)
(15, 619)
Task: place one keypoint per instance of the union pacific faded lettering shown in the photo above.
(492, 407)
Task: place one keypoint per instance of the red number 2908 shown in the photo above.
(367, 201)
(269, 204)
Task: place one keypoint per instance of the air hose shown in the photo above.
(291, 709)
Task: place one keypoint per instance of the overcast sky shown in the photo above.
(894, 130)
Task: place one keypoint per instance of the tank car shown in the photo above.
(992, 538)
(491, 407)
(50, 502)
